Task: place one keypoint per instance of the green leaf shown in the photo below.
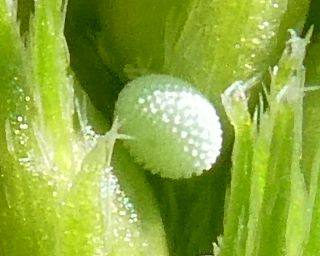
(59, 194)
(311, 146)
(311, 127)
(266, 213)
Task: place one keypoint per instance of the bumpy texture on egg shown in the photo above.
(176, 131)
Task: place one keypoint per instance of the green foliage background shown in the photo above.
(62, 66)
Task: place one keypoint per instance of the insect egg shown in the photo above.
(176, 130)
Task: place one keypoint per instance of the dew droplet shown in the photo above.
(141, 100)
(23, 126)
(275, 5)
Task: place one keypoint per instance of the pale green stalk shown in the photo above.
(267, 208)
(59, 195)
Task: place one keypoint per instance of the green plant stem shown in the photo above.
(59, 195)
(311, 146)
(266, 213)
(50, 80)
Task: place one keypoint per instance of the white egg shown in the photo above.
(176, 130)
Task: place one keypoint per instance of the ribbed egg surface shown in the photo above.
(176, 131)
